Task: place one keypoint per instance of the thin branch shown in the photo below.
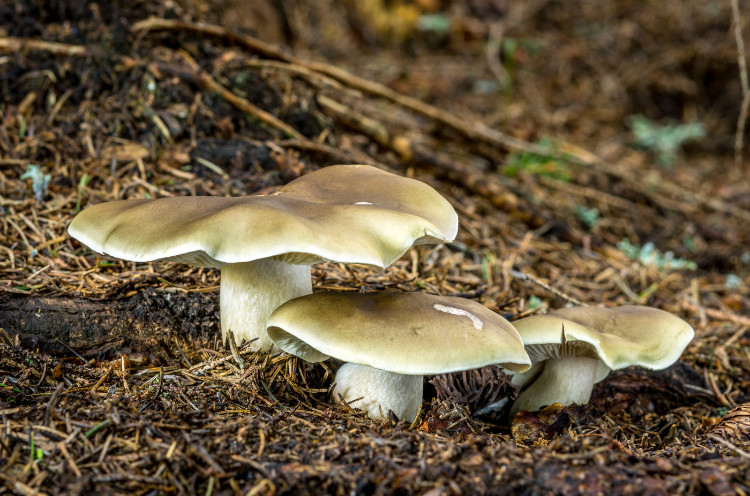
(24, 44)
(740, 46)
(742, 63)
(523, 276)
(741, 452)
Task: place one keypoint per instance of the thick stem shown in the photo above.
(251, 291)
(377, 391)
(565, 380)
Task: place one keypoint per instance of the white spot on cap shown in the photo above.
(363, 203)
(478, 324)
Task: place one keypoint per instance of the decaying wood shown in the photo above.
(48, 323)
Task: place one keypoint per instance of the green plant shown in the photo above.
(649, 255)
(589, 216)
(664, 141)
(39, 180)
(37, 454)
(435, 23)
(535, 302)
(538, 164)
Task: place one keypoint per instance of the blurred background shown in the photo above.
(596, 72)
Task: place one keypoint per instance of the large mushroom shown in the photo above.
(264, 245)
(392, 340)
(573, 348)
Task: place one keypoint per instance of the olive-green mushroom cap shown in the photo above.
(619, 337)
(406, 333)
(345, 213)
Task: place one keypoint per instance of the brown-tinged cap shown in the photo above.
(345, 213)
(619, 337)
(407, 333)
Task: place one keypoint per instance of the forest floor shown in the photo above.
(589, 151)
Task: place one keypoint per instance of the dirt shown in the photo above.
(112, 376)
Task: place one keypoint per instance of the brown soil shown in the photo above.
(112, 377)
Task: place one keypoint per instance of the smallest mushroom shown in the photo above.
(392, 340)
(573, 348)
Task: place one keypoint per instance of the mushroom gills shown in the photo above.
(377, 391)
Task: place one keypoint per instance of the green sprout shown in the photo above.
(82, 184)
(96, 428)
(664, 141)
(37, 454)
(12, 388)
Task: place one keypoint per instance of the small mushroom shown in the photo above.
(573, 348)
(264, 245)
(392, 339)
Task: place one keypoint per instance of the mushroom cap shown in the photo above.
(346, 213)
(619, 337)
(406, 333)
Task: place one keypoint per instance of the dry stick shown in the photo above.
(314, 78)
(206, 82)
(492, 54)
(741, 452)
(471, 130)
(4, 336)
(344, 156)
(233, 349)
(523, 276)
(717, 314)
(23, 44)
(99, 382)
(51, 403)
(742, 63)
(595, 194)
(711, 380)
(158, 24)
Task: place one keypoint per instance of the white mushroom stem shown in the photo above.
(251, 291)
(565, 380)
(377, 391)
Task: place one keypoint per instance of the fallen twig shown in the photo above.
(739, 135)
(523, 276)
(741, 452)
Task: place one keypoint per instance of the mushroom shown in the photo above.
(573, 348)
(392, 339)
(264, 245)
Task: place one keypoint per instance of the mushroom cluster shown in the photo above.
(264, 246)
